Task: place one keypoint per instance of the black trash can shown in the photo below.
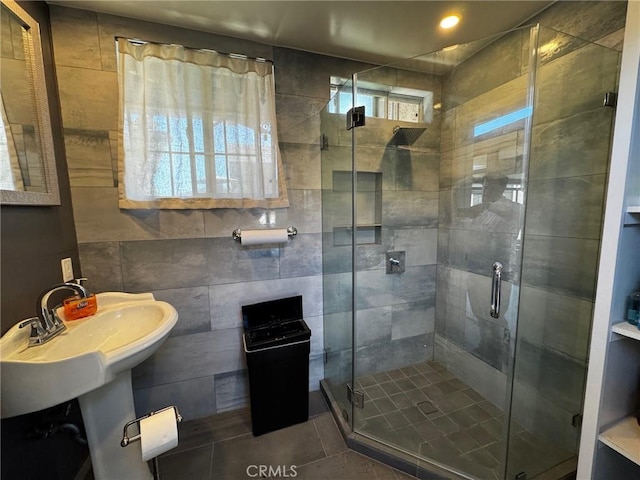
(277, 344)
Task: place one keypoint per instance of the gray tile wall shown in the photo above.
(398, 191)
(188, 257)
(568, 166)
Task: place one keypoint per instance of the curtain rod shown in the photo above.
(228, 54)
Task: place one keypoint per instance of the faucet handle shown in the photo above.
(80, 280)
(37, 332)
(29, 321)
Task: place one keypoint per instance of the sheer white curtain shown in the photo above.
(198, 130)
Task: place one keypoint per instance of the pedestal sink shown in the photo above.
(91, 360)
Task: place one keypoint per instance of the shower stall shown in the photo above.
(462, 202)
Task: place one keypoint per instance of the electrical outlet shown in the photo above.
(67, 269)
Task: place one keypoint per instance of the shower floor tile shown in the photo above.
(390, 388)
(425, 410)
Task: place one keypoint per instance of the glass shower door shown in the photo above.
(439, 201)
(567, 179)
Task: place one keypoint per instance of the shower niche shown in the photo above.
(369, 214)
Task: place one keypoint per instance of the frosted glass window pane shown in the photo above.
(201, 174)
(198, 135)
(182, 175)
(161, 179)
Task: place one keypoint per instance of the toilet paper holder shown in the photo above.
(237, 233)
(126, 440)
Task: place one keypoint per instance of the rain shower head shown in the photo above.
(405, 135)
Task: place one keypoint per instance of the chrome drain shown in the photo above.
(427, 407)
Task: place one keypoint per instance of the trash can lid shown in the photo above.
(276, 334)
(271, 312)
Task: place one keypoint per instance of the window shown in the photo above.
(198, 130)
(404, 108)
(381, 101)
(374, 102)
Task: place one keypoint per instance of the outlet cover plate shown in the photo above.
(67, 269)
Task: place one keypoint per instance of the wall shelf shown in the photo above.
(626, 329)
(624, 438)
(365, 235)
(632, 215)
(369, 208)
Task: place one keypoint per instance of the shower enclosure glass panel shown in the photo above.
(461, 227)
(337, 221)
(433, 358)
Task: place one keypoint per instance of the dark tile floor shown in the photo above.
(222, 447)
(422, 409)
(425, 410)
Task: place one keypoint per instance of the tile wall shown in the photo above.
(188, 258)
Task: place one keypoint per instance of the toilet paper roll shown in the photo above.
(257, 237)
(158, 434)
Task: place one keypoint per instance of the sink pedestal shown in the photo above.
(105, 412)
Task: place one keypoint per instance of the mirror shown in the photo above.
(27, 160)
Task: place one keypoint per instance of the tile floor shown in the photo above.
(425, 410)
(422, 409)
(222, 447)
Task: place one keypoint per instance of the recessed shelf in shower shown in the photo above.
(368, 208)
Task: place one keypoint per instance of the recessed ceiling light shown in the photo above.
(449, 21)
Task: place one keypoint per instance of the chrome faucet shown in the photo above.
(47, 324)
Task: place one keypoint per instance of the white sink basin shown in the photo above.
(126, 329)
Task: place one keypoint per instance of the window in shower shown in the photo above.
(404, 108)
(382, 101)
(374, 102)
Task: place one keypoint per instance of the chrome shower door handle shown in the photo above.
(496, 286)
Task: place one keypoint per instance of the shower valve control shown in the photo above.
(395, 262)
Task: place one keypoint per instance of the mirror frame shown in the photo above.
(35, 63)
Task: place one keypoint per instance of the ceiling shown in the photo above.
(370, 31)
